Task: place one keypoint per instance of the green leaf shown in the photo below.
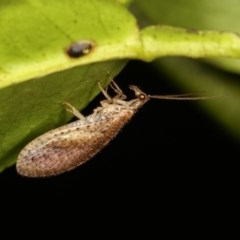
(217, 15)
(169, 41)
(37, 74)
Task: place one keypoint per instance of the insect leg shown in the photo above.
(73, 110)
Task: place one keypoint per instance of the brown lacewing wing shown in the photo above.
(71, 145)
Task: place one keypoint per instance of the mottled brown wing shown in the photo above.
(56, 152)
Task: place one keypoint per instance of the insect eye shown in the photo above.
(79, 49)
(142, 97)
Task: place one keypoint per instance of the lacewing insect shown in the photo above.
(79, 49)
(71, 145)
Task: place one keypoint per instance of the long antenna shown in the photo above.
(182, 97)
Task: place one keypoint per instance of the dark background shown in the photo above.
(170, 159)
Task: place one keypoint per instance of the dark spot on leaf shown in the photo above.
(79, 49)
